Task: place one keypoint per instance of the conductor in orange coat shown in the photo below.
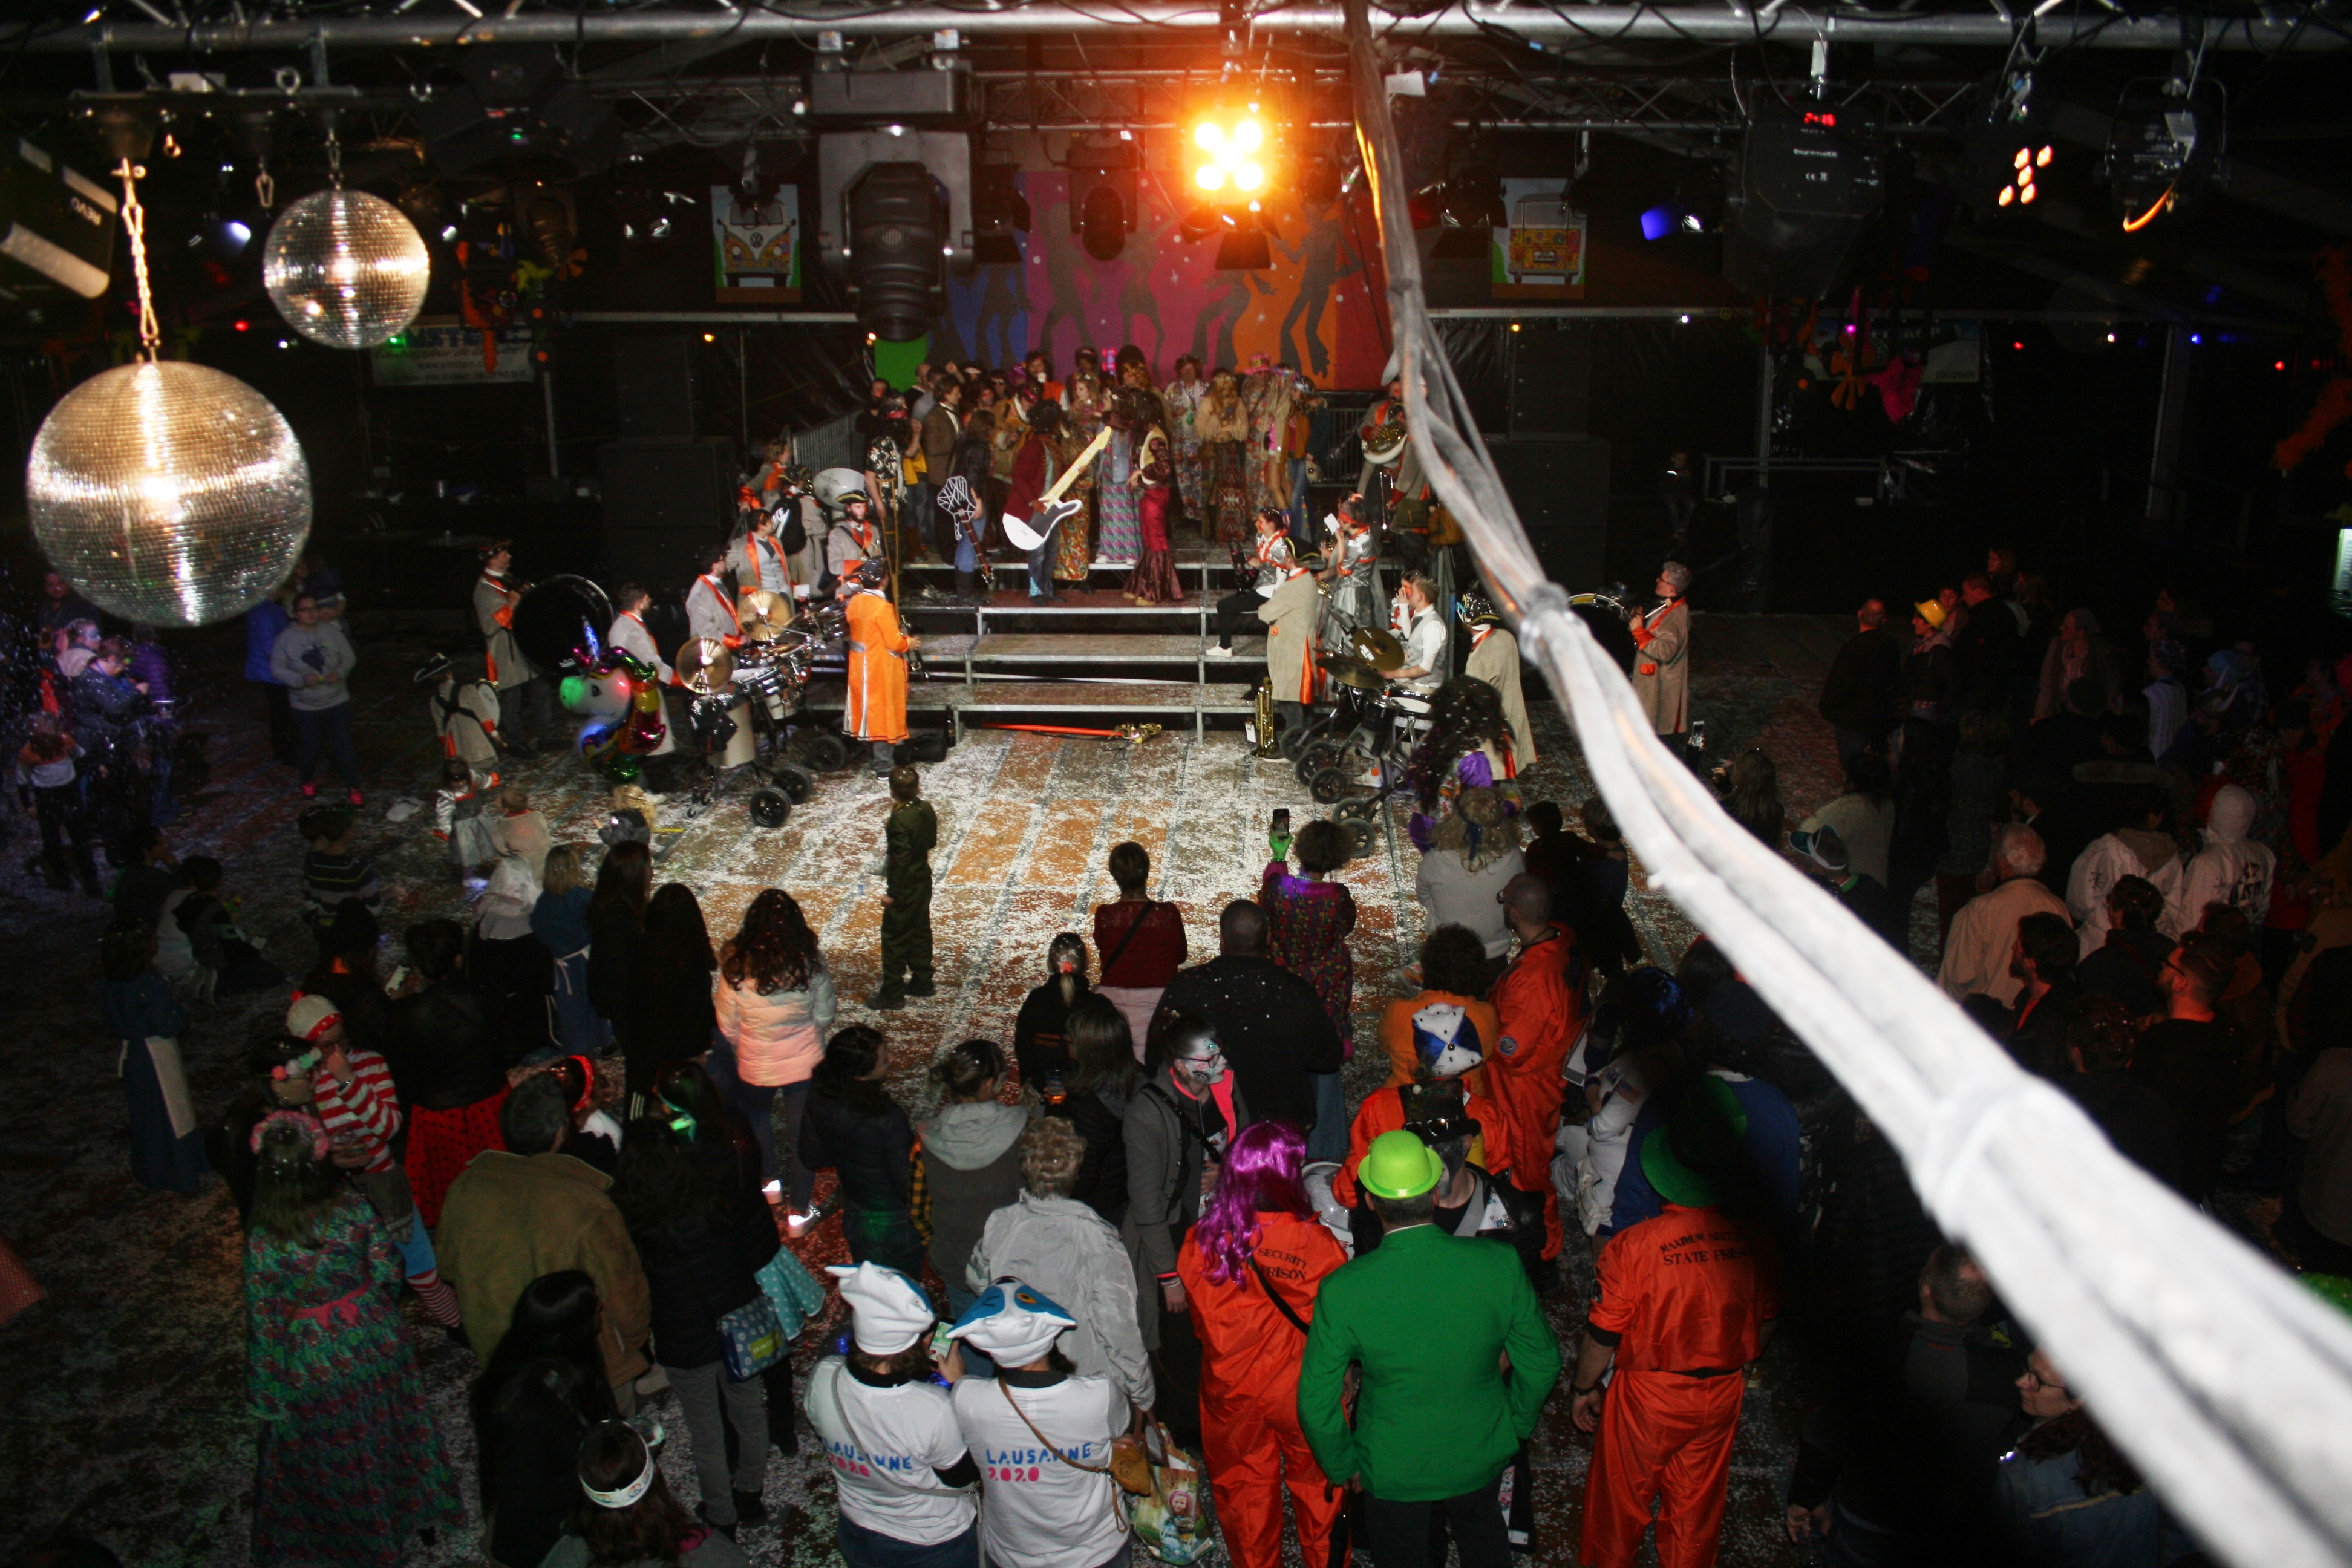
(1251, 1269)
(1539, 1005)
(878, 645)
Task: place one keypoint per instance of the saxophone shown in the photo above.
(1262, 729)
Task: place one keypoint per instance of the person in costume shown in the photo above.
(758, 560)
(905, 1479)
(1271, 558)
(1290, 614)
(1391, 480)
(348, 1468)
(878, 645)
(1446, 1046)
(908, 834)
(1431, 1322)
(1686, 1300)
(853, 540)
(1153, 581)
(1118, 494)
(1423, 629)
(625, 1511)
(1351, 572)
(710, 607)
(1494, 659)
(167, 1147)
(1223, 425)
(1182, 399)
(1662, 664)
(1036, 466)
(1250, 1269)
(1540, 1004)
(1043, 1435)
(464, 716)
(497, 592)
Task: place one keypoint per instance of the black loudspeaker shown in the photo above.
(1551, 379)
(653, 381)
(1806, 190)
(1562, 490)
(54, 221)
(661, 505)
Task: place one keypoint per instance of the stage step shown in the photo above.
(1083, 647)
(990, 699)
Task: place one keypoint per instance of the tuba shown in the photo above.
(1385, 443)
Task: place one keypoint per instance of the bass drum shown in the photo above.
(550, 622)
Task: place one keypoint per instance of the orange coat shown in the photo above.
(878, 670)
(1396, 1035)
(1542, 1014)
(1383, 1112)
(1250, 1356)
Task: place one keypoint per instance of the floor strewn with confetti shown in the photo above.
(125, 1386)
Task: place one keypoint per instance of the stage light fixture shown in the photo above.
(1230, 149)
(1658, 222)
(2164, 145)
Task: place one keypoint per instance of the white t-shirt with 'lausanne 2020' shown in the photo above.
(888, 1474)
(1042, 1512)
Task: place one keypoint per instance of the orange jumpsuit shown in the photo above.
(1396, 1035)
(1688, 1291)
(1383, 1112)
(1541, 1014)
(1249, 1391)
(878, 670)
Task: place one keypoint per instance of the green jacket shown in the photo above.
(1427, 1317)
(908, 835)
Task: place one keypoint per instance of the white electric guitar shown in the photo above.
(1029, 532)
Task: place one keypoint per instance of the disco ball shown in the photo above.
(345, 268)
(169, 493)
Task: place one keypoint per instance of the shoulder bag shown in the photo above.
(1118, 949)
(1274, 1296)
(1130, 1466)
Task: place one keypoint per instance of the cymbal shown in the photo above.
(764, 615)
(704, 666)
(1377, 648)
(1352, 672)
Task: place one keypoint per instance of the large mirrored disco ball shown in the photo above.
(169, 493)
(345, 268)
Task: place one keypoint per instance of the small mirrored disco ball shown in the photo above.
(169, 493)
(345, 268)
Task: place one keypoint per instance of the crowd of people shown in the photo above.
(1141, 1221)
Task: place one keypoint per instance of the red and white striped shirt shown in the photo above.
(365, 1111)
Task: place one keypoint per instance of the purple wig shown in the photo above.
(1261, 1176)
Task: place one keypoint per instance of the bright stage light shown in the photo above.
(1228, 142)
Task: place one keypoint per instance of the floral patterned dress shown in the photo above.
(1225, 439)
(1074, 540)
(349, 1468)
(1119, 500)
(1180, 398)
(1308, 924)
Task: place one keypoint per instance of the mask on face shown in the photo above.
(1207, 1071)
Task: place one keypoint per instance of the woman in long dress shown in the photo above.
(1180, 398)
(1223, 423)
(1074, 540)
(1118, 524)
(1154, 580)
(1267, 395)
(167, 1146)
(348, 1467)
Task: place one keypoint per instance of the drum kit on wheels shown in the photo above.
(736, 697)
(1353, 756)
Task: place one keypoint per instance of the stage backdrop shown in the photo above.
(1320, 308)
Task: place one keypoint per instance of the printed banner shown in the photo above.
(1540, 255)
(446, 354)
(755, 252)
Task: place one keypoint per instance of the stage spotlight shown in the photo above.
(1244, 250)
(999, 212)
(1230, 151)
(2164, 144)
(1102, 196)
(1659, 222)
(896, 223)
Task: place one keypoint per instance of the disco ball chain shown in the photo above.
(134, 224)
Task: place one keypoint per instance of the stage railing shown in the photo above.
(2229, 1383)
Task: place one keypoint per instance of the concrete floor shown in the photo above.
(126, 1410)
